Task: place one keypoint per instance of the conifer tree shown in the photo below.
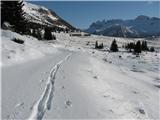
(114, 46)
(100, 46)
(48, 34)
(96, 45)
(144, 45)
(138, 48)
(11, 11)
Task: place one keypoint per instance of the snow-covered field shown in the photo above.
(69, 79)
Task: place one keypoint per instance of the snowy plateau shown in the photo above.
(68, 78)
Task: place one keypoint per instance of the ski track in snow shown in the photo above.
(44, 103)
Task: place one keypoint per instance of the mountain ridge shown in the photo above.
(141, 26)
(38, 16)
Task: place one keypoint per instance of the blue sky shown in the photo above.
(82, 13)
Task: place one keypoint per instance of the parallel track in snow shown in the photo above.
(44, 102)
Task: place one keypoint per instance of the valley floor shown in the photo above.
(76, 81)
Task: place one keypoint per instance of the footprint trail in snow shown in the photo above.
(44, 102)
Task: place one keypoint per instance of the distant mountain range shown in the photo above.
(141, 26)
(38, 16)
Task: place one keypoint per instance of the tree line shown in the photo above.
(135, 47)
(138, 47)
(37, 33)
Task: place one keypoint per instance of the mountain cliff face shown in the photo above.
(142, 26)
(41, 16)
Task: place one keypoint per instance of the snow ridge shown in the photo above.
(44, 103)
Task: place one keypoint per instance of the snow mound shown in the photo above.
(13, 52)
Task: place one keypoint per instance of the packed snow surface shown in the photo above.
(68, 79)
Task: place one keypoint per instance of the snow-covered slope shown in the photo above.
(32, 48)
(43, 16)
(142, 26)
(69, 79)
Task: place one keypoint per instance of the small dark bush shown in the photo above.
(120, 56)
(18, 40)
(87, 43)
(152, 49)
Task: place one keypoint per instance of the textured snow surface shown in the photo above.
(69, 79)
(44, 103)
(13, 52)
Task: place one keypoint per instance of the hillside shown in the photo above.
(38, 16)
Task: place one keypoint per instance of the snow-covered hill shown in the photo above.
(43, 16)
(142, 26)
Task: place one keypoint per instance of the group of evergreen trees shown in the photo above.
(113, 48)
(138, 47)
(11, 12)
(100, 46)
(47, 34)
